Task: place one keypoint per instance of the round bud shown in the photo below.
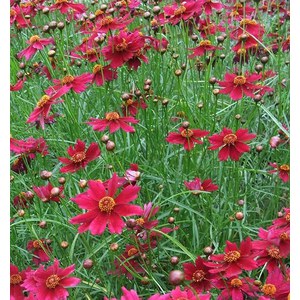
(258, 68)
(174, 260)
(131, 223)
(216, 91)
(183, 66)
(92, 17)
(98, 280)
(243, 37)
(185, 124)
(43, 224)
(55, 192)
(45, 175)
(222, 56)
(156, 9)
(194, 37)
(63, 244)
(171, 220)
(45, 10)
(60, 25)
(51, 53)
(82, 183)
(208, 250)
(231, 218)
(257, 283)
(146, 87)
(111, 10)
(137, 92)
(175, 55)
(264, 59)
(48, 242)
(239, 216)
(165, 102)
(21, 213)
(241, 202)
(110, 146)
(61, 180)
(12, 178)
(125, 96)
(176, 277)
(287, 62)
(279, 214)
(259, 148)
(147, 15)
(22, 65)
(176, 209)
(200, 105)
(257, 98)
(88, 263)
(114, 247)
(212, 80)
(104, 138)
(178, 72)
(103, 7)
(145, 280)
(53, 25)
(148, 81)
(238, 116)
(29, 195)
(20, 74)
(220, 39)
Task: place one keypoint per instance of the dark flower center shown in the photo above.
(106, 21)
(180, 10)
(52, 281)
(187, 133)
(37, 244)
(132, 251)
(285, 168)
(274, 252)
(121, 46)
(198, 275)
(205, 43)
(15, 279)
(111, 116)
(269, 289)
(107, 204)
(236, 282)
(43, 101)
(78, 157)
(67, 79)
(34, 38)
(230, 139)
(239, 80)
(97, 69)
(232, 256)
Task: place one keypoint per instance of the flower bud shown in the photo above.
(43, 224)
(104, 138)
(88, 263)
(114, 247)
(61, 180)
(82, 183)
(239, 216)
(110, 146)
(55, 191)
(64, 244)
(131, 223)
(174, 260)
(176, 277)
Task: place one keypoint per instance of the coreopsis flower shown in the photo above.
(234, 261)
(16, 279)
(50, 283)
(276, 286)
(36, 43)
(101, 74)
(233, 144)
(79, 156)
(45, 193)
(122, 47)
(187, 137)
(247, 42)
(144, 222)
(23, 199)
(114, 122)
(64, 6)
(208, 6)
(88, 53)
(107, 23)
(105, 207)
(130, 107)
(42, 109)
(182, 11)
(235, 288)
(178, 294)
(203, 48)
(248, 26)
(40, 250)
(283, 171)
(238, 86)
(239, 11)
(132, 175)
(198, 274)
(197, 186)
(18, 86)
(20, 164)
(17, 16)
(206, 27)
(136, 61)
(76, 83)
(283, 222)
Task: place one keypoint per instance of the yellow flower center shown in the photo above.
(284, 236)
(15, 279)
(99, 12)
(140, 221)
(247, 22)
(187, 133)
(234, 13)
(205, 43)
(27, 4)
(122, 46)
(180, 10)
(239, 80)
(61, 1)
(238, 5)
(107, 204)
(12, 12)
(198, 276)
(269, 289)
(67, 79)
(106, 21)
(285, 168)
(34, 38)
(52, 281)
(78, 157)
(43, 101)
(129, 102)
(236, 282)
(91, 51)
(111, 116)
(274, 252)
(232, 256)
(132, 251)
(287, 217)
(37, 244)
(97, 69)
(229, 138)
(241, 51)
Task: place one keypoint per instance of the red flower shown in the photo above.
(207, 27)
(51, 283)
(17, 16)
(144, 221)
(233, 144)
(248, 26)
(80, 157)
(45, 194)
(40, 250)
(122, 47)
(77, 83)
(104, 207)
(18, 86)
(208, 6)
(114, 122)
(36, 43)
(282, 170)
(199, 275)
(16, 279)
(42, 109)
(187, 137)
(197, 186)
(106, 23)
(102, 74)
(204, 46)
(65, 5)
(23, 199)
(177, 294)
(235, 288)
(283, 222)
(235, 260)
(130, 106)
(237, 85)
